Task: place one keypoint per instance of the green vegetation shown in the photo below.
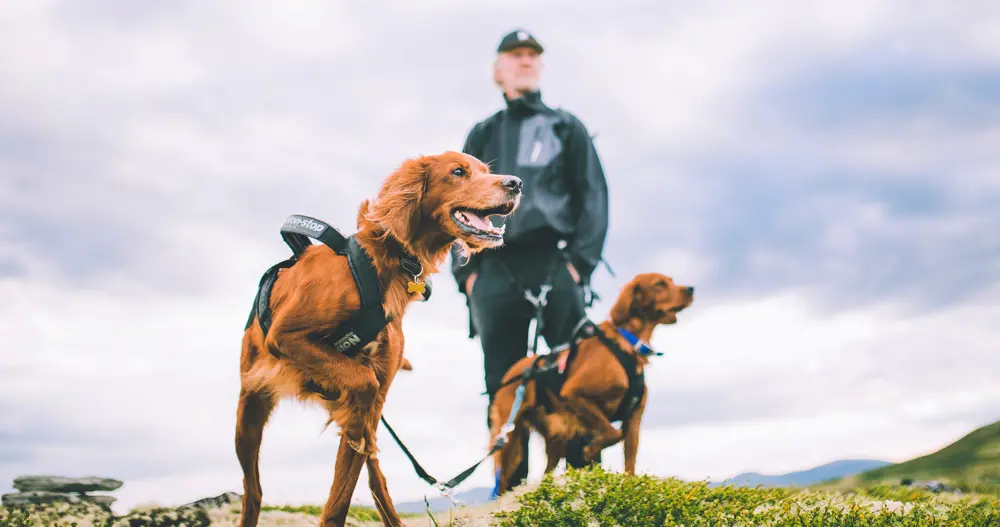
(596, 497)
(356, 512)
(971, 464)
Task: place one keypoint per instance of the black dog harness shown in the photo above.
(364, 324)
(549, 374)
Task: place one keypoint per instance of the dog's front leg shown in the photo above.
(510, 457)
(346, 473)
(631, 432)
(350, 386)
(380, 493)
(376, 480)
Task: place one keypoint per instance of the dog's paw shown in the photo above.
(591, 451)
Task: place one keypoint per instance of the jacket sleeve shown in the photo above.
(587, 174)
(460, 268)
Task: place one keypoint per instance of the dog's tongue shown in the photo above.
(477, 222)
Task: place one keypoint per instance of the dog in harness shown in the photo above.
(581, 388)
(326, 324)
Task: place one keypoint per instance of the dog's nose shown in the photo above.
(512, 184)
(689, 290)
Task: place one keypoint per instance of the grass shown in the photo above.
(597, 497)
(356, 512)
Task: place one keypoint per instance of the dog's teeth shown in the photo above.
(502, 229)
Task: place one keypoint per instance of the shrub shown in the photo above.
(597, 497)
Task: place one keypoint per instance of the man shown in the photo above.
(564, 199)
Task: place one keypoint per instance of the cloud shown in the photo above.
(826, 179)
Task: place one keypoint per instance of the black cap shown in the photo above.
(519, 38)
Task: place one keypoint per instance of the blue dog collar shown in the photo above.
(640, 346)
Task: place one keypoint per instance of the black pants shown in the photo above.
(501, 316)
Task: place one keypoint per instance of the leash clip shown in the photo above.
(446, 492)
(541, 299)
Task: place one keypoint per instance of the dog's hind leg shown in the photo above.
(605, 434)
(252, 412)
(555, 450)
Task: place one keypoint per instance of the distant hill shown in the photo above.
(438, 503)
(972, 461)
(812, 476)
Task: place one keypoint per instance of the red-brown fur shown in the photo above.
(595, 383)
(318, 293)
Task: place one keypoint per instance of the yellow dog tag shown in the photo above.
(413, 287)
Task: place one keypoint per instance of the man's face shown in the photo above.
(519, 69)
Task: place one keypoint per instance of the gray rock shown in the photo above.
(43, 497)
(63, 484)
(221, 500)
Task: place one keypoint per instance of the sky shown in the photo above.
(825, 175)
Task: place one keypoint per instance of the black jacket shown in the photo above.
(565, 195)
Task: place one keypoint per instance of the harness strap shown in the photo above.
(364, 324)
(636, 380)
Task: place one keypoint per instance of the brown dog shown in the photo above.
(422, 208)
(595, 386)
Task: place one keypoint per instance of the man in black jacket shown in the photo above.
(565, 199)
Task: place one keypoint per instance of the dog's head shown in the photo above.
(652, 298)
(429, 202)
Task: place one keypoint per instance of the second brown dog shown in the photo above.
(580, 394)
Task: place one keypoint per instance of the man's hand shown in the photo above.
(468, 283)
(573, 273)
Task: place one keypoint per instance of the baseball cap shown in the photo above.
(519, 38)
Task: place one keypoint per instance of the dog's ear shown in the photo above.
(397, 208)
(631, 295)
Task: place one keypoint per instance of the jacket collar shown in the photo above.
(528, 104)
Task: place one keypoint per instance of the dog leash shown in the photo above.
(446, 488)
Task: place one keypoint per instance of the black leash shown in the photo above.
(498, 442)
(446, 487)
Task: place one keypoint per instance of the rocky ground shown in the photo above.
(55, 501)
(217, 512)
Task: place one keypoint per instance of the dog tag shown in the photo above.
(415, 287)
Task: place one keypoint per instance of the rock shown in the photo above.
(62, 484)
(164, 517)
(221, 500)
(43, 497)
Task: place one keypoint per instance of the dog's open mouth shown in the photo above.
(477, 221)
(662, 312)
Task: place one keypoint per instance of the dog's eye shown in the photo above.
(459, 172)
(661, 284)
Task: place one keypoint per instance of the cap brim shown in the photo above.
(530, 44)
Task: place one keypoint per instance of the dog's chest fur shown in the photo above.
(283, 380)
